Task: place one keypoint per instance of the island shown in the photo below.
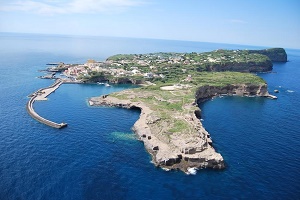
(172, 86)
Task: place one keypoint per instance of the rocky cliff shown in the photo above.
(205, 92)
(174, 136)
(246, 66)
(169, 151)
(275, 54)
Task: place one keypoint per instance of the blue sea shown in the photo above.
(98, 156)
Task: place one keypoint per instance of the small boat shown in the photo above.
(100, 83)
(107, 85)
(271, 96)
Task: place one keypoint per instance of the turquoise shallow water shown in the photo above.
(97, 155)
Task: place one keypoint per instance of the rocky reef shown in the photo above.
(174, 136)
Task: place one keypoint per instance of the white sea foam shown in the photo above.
(192, 170)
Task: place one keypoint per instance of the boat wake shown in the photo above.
(290, 91)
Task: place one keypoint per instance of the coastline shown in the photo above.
(171, 147)
(165, 154)
(187, 150)
(169, 123)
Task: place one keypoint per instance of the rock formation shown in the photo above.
(189, 148)
(275, 54)
(265, 65)
(205, 92)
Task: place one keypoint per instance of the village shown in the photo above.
(163, 67)
(145, 66)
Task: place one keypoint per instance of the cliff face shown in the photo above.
(260, 61)
(205, 92)
(160, 127)
(275, 54)
(263, 66)
(169, 151)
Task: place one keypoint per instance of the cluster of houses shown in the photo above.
(153, 65)
(143, 65)
(108, 67)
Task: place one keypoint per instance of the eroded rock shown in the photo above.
(190, 147)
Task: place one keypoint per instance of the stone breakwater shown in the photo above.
(190, 148)
(41, 95)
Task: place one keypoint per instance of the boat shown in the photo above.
(271, 96)
(100, 83)
(107, 85)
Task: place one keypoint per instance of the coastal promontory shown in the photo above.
(169, 123)
(274, 54)
(172, 85)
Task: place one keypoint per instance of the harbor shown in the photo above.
(41, 95)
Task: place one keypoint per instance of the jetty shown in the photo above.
(41, 95)
(48, 76)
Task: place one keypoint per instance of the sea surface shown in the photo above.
(98, 157)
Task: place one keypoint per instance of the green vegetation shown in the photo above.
(176, 67)
(184, 73)
(165, 68)
(179, 126)
(119, 57)
(226, 78)
(214, 79)
(94, 77)
(172, 107)
(275, 54)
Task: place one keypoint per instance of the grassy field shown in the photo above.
(173, 107)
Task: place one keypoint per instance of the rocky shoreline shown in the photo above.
(192, 147)
(206, 92)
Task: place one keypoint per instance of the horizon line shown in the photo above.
(128, 37)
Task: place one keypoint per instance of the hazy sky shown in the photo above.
(254, 22)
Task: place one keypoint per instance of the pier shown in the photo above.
(41, 95)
